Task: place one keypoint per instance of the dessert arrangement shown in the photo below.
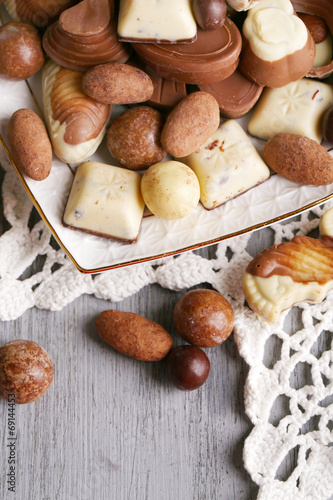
(186, 73)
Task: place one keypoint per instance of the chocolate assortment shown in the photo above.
(179, 67)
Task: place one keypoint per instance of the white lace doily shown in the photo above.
(306, 428)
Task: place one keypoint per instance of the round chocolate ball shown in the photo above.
(26, 371)
(210, 14)
(188, 367)
(134, 136)
(203, 317)
(21, 53)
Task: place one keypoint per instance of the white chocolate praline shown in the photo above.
(105, 200)
(226, 165)
(68, 153)
(296, 108)
(273, 30)
(170, 190)
(269, 297)
(166, 20)
(323, 53)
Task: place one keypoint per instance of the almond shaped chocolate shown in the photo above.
(323, 9)
(85, 35)
(76, 123)
(213, 56)
(40, 13)
(277, 46)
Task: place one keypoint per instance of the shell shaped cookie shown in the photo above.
(287, 274)
(76, 123)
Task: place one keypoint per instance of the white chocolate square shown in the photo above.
(165, 20)
(226, 165)
(296, 108)
(105, 200)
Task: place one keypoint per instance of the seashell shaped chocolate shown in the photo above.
(85, 35)
(40, 13)
(300, 270)
(76, 123)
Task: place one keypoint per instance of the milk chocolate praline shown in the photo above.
(40, 13)
(85, 35)
(212, 57)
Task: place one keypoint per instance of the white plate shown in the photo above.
(272, 201)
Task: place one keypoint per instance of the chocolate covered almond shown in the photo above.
(190, 124)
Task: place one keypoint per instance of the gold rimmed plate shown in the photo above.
(274, 200)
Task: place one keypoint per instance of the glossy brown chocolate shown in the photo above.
(21, 53)
(323, 9)
(304, 259)
(236, 95)
(167, 93)
(212, 57)
(277, 73)
(85, 35)
(210, 14)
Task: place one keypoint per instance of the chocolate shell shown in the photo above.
(85, 35)
(76, 123)
(40, 13)
(323, 9)
(287, 274)
(212, 57)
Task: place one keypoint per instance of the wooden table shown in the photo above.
(114, 428)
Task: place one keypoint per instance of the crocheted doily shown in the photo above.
(302, 437)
